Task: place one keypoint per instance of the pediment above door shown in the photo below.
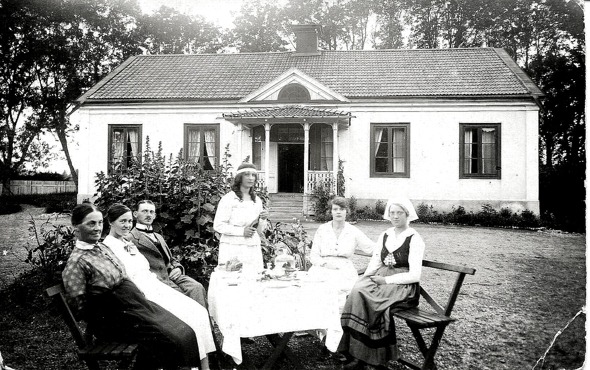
(294, 79)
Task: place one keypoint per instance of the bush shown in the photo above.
(9, 205)
(186, 197)
(41, 176)
(368, 213)
(51, 249)
(488, 216)
(322, 192)
(53, 203)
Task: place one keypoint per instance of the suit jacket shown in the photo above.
(154, 256)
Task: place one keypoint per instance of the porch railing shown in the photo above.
(316, 177)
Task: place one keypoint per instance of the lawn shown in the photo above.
(527, 286)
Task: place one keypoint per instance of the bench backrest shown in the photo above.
(461, 271)
(57, 293)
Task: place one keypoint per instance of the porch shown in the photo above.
(294, 147)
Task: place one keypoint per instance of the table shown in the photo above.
(243, 307)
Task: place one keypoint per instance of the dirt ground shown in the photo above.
(527, 286)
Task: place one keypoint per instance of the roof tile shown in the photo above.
(354, 74)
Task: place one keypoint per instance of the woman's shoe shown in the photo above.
(354, 365)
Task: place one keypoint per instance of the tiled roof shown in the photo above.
(468, 72)
(285, 112)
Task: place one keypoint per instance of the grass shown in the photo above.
(527, 286)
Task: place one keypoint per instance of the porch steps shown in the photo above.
(285, 206)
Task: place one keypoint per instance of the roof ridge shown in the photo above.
(322, 51)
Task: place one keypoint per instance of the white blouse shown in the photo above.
(233, 215)
(327, 244)
(417, 247)
(136, 265)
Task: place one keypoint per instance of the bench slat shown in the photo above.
(130, 349)
(448, 267)
(118, 351)
(88, 352)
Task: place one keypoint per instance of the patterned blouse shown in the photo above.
(91, 269)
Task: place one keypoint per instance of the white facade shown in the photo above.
(434, 146)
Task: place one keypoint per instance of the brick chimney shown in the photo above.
(306, 38)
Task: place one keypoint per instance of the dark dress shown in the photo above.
(369, 332)
(116, 310)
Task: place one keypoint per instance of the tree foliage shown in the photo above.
(168, 31)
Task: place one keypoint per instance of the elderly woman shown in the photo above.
(334, 243)
(98, 288)
(240, 217)
(391, 282)
(138, 271)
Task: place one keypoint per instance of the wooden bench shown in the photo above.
(89, 351)
(438, 317)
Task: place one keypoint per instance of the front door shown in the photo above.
(291, 168)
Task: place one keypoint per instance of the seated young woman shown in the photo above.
(334, 243)
(98, 288)
(391, 282)
(138, 271)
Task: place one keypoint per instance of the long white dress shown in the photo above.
(337, 251)
(181, 306)
(232, 216)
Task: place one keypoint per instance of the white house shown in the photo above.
(445, 127)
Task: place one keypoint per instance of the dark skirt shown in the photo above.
(369, 332)
(124, 314)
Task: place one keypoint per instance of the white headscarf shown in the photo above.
(404, 203)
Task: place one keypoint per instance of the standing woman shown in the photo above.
(138, 270)
(98, 288)
(239, 218)
(391, 282)
(334, 243)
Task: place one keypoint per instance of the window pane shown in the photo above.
(391, 149)
(480, 155)
(381, 139)
(118, 145)
(194, 145)
(399, 165)
(209, 149)
(488, 150)
(257, 154)
(381, 165)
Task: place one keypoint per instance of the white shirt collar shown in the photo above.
(83, 245)
(142, 227)
(394, 243)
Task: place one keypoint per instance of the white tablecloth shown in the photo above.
(243, 307)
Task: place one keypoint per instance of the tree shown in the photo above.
(18, 94)
(259, 27)
(75, 44)
(169, 32)
(387, 33)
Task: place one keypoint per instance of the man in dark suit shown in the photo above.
(153, 246)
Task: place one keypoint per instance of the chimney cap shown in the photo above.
(306, 39)
(307, 26)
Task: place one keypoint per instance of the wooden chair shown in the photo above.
(439, 317)
(88, 351)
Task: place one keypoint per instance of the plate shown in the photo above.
(286, 278)
(276, 284)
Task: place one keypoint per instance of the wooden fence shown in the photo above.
(41, 187)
